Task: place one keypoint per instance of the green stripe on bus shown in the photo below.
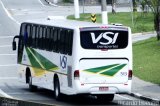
(98, 69)
(32, 60)
(114, 70)
(44, 61)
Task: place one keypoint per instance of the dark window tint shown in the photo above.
(69, 42)
(48, 38)
(104, 39)
(28, 35)
(62, 42)
(55, 40)
(37, 36)
(51, 40)
(21, 42)
(40, 41)
(34, 28)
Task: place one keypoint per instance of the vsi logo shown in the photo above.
(63, 61)
(109, 40)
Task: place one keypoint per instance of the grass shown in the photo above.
(146, 60)
(141, 23)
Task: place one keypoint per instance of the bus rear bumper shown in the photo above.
(103, 88)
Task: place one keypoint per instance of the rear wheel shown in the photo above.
(32, 88)
(105, 98)
(57, 93)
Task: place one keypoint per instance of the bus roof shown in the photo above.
(72, 24)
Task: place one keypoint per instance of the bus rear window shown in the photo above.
(104, 39)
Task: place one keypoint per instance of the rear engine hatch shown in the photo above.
(103, 71)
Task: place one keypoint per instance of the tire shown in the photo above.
(105, 98)
(32, 88)
(57, 93)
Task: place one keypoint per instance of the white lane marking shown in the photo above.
(124, 97)
(5, 45)
(8, 54)
(6, 78)
(18, 93)
(9, 15)
(5, 94)
(41, 3)
(4, 37)
(35, 12)
(7, 65)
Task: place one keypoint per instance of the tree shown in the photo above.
(155, 7)
(113, 6)
(144, 6)
(134, 5)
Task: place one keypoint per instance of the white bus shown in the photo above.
(73, 57)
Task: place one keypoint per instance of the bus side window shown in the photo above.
(62, 41)
(70, 42)
(29, 42)
(55, 40)
(37, 37)
(23, 33)
(66, 42)
(51, 39)
(34, 36)
(44, 38)
(58, 40)
(22, 42)
(47, 40)
(40, 38)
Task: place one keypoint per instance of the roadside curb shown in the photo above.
(143, 33)
(137, 95)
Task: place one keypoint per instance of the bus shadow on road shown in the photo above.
(70, 100)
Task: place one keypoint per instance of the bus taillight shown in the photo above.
(130, 74)
(76, 74)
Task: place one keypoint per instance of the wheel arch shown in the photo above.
(28, 74)
(55, 78)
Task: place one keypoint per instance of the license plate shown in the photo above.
(103, 88)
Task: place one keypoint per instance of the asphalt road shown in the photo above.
(12, 13)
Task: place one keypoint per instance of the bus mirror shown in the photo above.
(14, 42)
(14, 45)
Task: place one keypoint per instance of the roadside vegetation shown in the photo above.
(146, 60)
(142, 22)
